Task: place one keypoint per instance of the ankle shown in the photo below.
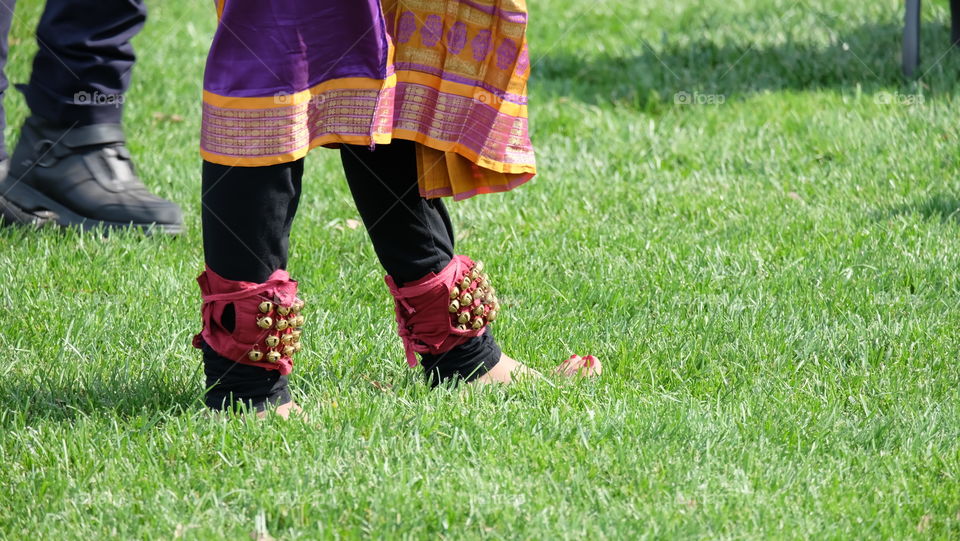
(466, 362)
(231, 385)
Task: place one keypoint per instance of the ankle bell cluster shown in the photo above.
(473, 301)
(258, 324)
(445, 309)
(284, 324)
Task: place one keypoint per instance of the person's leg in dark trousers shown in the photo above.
(85, 59)
(6, 19)
(9, 213)
(412, 237)
(247, 214)
(71, 161)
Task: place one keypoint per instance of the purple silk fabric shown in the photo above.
(292, 45)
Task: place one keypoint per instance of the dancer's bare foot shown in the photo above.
(283, 410)
(507, 369)
(504, 371)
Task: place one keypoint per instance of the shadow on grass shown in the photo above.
(35, 401)
(867, 57)
(941, 207)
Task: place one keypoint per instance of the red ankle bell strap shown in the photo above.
(266, 326)
(445, 309)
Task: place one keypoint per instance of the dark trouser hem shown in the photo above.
(82, 68)
(465, 362)
(230, 384)
(83, 65)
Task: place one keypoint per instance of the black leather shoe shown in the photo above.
(84, 176)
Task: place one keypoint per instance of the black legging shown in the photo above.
(247, 214)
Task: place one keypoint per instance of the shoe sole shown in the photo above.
(32, 200)
(12, 215)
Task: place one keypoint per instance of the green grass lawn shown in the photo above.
(771, 281)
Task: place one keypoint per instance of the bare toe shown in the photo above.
(587, 366)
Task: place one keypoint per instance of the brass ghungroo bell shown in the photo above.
(455, 292)
(478, 310)
(265, 322)
(466, 299)
(266, 307)
(477, 323)
(491, 315)
(272, 341)
(454, 306)
(287, 338)
(282, 324)
(273, 357)
(283, 310)
(255, 355)
(464, 317)
(289, 351)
